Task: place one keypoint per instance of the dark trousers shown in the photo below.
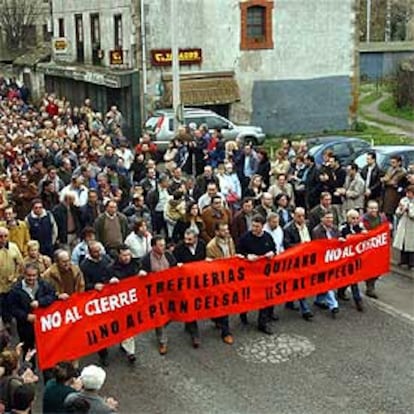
(27, 336)
(223, 324)
(4, 308)
(407, 258)
(158, 222)
(264, 316)
(192, 329)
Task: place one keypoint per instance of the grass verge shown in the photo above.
(388, 107)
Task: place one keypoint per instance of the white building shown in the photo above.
(94, 55)
(286, 65)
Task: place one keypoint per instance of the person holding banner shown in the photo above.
(326, 230)
(156, 260)
(255, 244)
(28, 294)
(123, 268)
(221, 246)
(353, 225)
(296, 232)
(191, 249)
(65, 277)
(371, 220)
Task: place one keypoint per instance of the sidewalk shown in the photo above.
(397, 269)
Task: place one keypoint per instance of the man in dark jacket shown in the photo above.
(156, 260)
(296, 232)
(254, 244)
(371, 174)
(26, 295)
(91, 210)
(123, 268)
(312, 182)
(191, 249)
(96, 269)
(352, 226)
(242, 221)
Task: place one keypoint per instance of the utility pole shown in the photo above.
(143, 61)
(178, 118)
(368, 37)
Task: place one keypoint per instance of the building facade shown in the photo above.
(285, 65)
(94, 56)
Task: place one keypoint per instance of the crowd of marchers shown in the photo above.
(81, 207)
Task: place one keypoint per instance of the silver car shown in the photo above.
(161, 125)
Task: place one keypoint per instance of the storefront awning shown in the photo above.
(203, 89)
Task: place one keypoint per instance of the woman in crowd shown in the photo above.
(192, 219)
(404, 237)
(33, 256)
(255, 188)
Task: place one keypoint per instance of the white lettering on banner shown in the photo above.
(372, 243)
(51, 321)
(110, 303)
(333, 255)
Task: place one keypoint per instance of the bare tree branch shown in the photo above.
(16, 17)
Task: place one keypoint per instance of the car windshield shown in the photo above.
(361, 160)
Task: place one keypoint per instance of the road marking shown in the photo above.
(391, 310)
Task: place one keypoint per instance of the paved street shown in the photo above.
(359, 363)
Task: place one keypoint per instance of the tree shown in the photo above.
(403, 90)
(17, 17)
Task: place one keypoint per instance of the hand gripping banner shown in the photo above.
(90, 321)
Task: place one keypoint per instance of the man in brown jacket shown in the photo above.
(221, 246)
(64, 276)
(213, 214)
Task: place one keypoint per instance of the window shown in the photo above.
(118, 31)
(61, 27)
(214, 122)
(256, 24)
(95, 32)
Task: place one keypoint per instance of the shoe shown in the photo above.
(321, 305)
(334, 311)
(131, 358)
(266, 330)
(359, 306)
(274, 318)
(307, 316)
(228, 339)
(371, 294)
(196, 342)
(243, 319)
(163, 349)
(291, 306)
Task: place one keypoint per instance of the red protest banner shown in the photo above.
(90, 321)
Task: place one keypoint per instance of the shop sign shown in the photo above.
(116, 57)
(60, 45)
(163, 57)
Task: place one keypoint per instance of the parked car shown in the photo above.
(161, 124)
(384, 154)
(345, 148)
